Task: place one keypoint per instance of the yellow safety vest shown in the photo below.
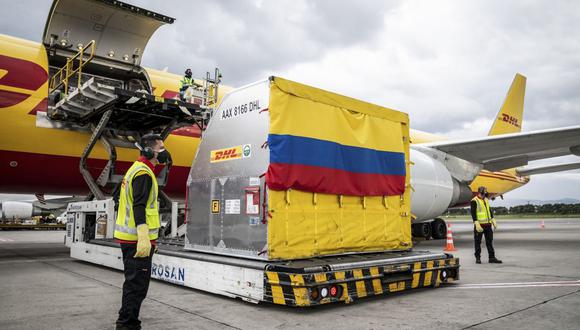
(483, 213)
(125, 228)
(186, 81)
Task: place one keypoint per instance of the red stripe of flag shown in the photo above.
(332, 181)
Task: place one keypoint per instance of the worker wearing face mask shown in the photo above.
(137, 227)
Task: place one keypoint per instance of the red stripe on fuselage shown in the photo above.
(169, 94)
(191, 131)
(22, 73)
(41, 106)
(29, 173)
(8, 99)
(500, 177)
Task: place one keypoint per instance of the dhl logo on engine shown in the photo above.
(230, 153)
(510, 119)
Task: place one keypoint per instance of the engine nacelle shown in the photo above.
(434, 189)
(18, 210)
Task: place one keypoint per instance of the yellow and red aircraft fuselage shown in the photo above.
(36, 159)
(46, 160)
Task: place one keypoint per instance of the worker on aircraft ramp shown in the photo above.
(137, 227)
(186, 82)
(483, 221)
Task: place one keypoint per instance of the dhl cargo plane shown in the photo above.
(40, 156)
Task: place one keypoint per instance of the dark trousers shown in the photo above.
(135, 287)
(488, 233)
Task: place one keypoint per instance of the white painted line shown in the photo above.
(6, 240)
(19, 261)
(517, 285)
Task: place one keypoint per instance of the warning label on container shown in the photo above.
(254, 221)
(252, 200)
(232, 206)
(215, 206)
(254, 181)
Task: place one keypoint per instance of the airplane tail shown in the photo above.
(509, 118)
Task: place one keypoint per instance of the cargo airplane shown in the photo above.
(39, 155)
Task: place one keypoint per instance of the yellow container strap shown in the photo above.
(385, 202)
(364, 202)
(340, 200)
(288, 196)
(314, 198)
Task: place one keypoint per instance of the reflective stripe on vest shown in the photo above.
(483, 214)
(133, 231)
(185, 81)
(125, 228)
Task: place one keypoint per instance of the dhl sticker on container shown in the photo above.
(236, 152)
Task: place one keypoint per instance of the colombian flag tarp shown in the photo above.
(327, 143)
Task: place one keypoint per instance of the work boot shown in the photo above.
(495, 261)
(477, 260)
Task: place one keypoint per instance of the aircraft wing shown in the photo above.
(56, 203)
(501, 152)
(533, 170)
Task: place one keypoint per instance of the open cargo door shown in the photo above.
(121, 31)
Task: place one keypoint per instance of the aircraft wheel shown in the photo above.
(422, 229)
(439, 228)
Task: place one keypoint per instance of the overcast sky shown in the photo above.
(448, 64)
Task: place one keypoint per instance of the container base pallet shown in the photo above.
(301, 283)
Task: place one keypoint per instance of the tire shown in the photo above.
(422, 229)
(439, 228)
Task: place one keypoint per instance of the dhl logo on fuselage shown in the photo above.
(230, 153)
(24, 77)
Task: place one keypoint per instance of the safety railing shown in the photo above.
(62, 76)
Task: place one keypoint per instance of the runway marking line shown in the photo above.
(20, 261)
(6, 240)
(517, 285)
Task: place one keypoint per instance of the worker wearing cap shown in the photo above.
(137, 227)
(483, 221)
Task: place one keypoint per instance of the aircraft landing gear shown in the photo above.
(436, 229)
(422, 229)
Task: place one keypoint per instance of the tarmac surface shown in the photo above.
(537, 287)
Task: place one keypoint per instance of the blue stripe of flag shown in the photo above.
(289, 149)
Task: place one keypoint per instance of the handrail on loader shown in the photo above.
(61, 77)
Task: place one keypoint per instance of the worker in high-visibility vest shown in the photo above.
(137, 227)
(186, 82)
(483, 221)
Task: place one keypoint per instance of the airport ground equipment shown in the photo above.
(248, 239)
(97, 84)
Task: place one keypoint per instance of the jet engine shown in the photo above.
(18, 210)
(434, 191)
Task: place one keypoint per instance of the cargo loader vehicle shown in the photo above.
(296, 196)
